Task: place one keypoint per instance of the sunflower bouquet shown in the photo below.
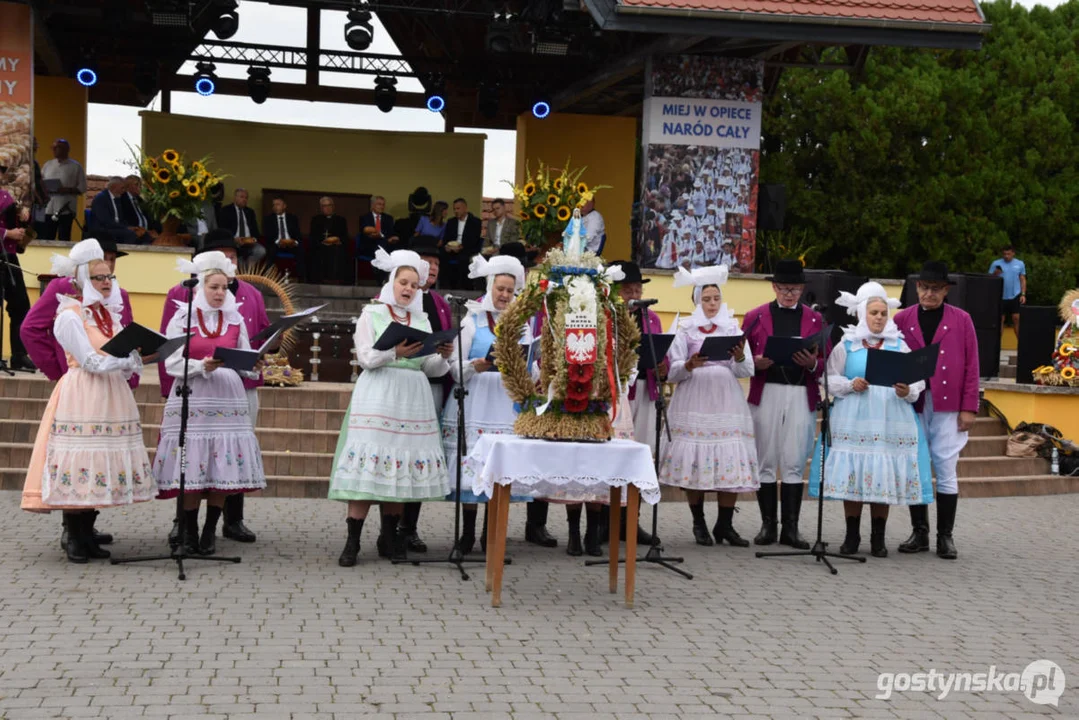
(546, 200)
(1064, 372)
(174, 187)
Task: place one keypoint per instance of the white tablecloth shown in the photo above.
(561, 470)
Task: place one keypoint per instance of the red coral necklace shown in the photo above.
(103, 318)
(708, 331)
(206, 333)
(407, 320)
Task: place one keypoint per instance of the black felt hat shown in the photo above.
(934, 271)
(219, 239)
(789, 272)
(424, 246)
(518, 250)
(632, 271)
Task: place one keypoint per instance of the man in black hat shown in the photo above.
(46, 352)
(950, 404)
(253, 310)
(783, 401)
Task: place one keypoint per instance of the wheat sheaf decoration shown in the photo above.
(270, 278)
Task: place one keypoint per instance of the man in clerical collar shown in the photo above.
(783, 401)
(329, 246)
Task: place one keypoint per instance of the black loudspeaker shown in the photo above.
(1037, 340)
(823, 288)
(771, 207)
(981, 296)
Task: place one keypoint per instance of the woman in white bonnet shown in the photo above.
(89, 452)
(878, 454)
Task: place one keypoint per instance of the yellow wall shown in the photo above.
(147, 276)
(606, 145)
(263, 155)
(1056, 409)
(60, 112)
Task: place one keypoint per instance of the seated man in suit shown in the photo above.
(106, 213)
(134, 211)
(240, 220)
(283, 240)
(501, 229)
(329, 248)
(377, 231)
(461, 241)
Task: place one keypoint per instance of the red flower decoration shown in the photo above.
(543, 284)
(576, 405)
(578, 390)
(578, 372)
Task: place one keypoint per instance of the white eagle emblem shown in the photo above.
(581, 346)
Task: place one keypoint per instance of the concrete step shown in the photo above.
(1008, 371)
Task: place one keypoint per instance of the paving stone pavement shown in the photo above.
(289, 634)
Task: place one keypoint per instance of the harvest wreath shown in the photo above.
(588, 348)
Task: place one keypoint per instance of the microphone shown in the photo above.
(455, 299)
(642, 303)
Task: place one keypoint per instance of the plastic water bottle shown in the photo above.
(1055, 466)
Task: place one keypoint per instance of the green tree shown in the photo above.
(939, 154)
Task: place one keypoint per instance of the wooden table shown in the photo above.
(504, 484)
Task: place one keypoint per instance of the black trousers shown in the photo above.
(58, 229)
(16, 300)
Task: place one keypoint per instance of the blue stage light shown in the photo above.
(204, 86)
(435, 103)
(86, 76)
(541, 109)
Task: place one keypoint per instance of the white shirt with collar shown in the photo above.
(115, 206)
(71, 175)
(282, 228)
(138, 211)
(499, 224)
(461, 229)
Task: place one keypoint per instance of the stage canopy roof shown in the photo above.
(584, 56)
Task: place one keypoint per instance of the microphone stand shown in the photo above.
(179, 553)
(456, 558)
(820, 548)
(655, 551)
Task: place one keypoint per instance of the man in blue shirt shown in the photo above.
(1014, 273)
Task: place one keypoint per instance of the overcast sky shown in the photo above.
(110, 125)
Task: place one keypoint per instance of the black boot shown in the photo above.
(399, 546)
(22, 361)
(234, 528)
(208, 541)
(605, 525)
(468, 529)
(101, 537)
(384, 543)
(591, 533)
(644, 538)
(64, 531)
(724, 529)
(854, 536)
(536, 525)
(75, 546)
(191, 532)
(791, 496)
(483, 533)
(410, 519)
(766, 501)
(919, 538)
(352, 544)
(877, 547)
(574, 547)
(174, 534)
(700, 525)
(946, 506)
(93, 550)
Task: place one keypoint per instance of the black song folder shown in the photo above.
(781, 350)
(398, 332)
(143, 339)
(888, 367)
(662, 342)
(719, 347)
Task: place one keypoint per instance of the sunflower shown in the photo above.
(564, 213)
(151, 162)
(174, 194)
(170, 156)
(552, 199)
(162, 175)
(523, 215)
(1067, 373)
(540, 211)
(193, 190)
(581, 188)
(185, 182)
(558, 185)
(1067, 349)
(198, 167)
(530, 189)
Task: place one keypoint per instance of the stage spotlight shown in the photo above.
(87, 76)
(500, 35)
(385, 93)
(258, 83)
(435, 95)
(228, 22)
(205, 79)
(541, 108)
(358, 29)
(487, 100)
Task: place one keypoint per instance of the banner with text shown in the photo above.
(701, 136)
(16, 98)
